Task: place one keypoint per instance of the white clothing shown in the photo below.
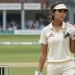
(61, 68)
(58, 46)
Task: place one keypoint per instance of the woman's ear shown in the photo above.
(52, 14)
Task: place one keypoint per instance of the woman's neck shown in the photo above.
(57, 23)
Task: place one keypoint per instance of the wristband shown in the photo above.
(38, 73)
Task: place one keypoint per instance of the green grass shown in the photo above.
(19, 38)
(19, 53)
(24, 71)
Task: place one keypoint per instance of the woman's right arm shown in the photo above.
(43, 41)
(42, 57)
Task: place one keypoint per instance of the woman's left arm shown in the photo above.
(72, 38)
(73, 46)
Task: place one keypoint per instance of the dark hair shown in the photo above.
(51, 17)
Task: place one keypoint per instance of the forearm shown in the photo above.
(41, 62)
(72, 46)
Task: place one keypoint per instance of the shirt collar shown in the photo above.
(51, 26)
(63, 25)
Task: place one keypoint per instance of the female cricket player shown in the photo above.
(58, 49)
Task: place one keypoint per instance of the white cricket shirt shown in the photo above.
(58, 46)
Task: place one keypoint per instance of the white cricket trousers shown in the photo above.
(61, 68)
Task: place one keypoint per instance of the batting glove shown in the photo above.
(38, 73)
(71, 30)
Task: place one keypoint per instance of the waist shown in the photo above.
(61, 60)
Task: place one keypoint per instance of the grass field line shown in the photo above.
(19, 43)
(21, 64)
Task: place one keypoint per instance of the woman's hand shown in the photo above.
(38, 73)
(71, 30)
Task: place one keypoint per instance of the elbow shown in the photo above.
(73, 51)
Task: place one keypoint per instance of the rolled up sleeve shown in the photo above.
(43, 38)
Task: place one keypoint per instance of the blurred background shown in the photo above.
(21, 22)
(30, 14)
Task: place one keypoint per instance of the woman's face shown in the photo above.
(60, 14)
